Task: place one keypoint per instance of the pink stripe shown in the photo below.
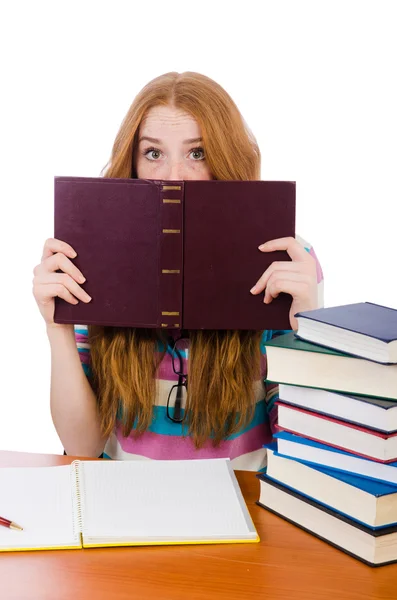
(263, 365)
(270, 387)
(273, 418)
(85, 357)
(166, 371)
(80, 337)
(320, 275)
(168, 447)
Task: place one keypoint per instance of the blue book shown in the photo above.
(317, 454)
(369, 502)
(365, 330)
(374, 546)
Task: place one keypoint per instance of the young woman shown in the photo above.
(131, 398)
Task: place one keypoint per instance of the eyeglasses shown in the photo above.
(174, 412)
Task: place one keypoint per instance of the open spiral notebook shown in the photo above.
(123, 503)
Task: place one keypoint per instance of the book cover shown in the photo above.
(296, 362)
(371, 486)
(315, 453)
(375, 532)
(173, 254)
(338, 433)
(338, 530)
(289, 341)
(377, 414)
(371, 503)
(343, 423)
(366, 318)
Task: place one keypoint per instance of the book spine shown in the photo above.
(76, 488)
(171, 254)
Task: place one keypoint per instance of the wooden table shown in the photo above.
(288, 564)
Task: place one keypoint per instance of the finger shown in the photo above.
(287, 266)
(53, 245)
(295, 285)
(295, 250)
(62, 262)
(51, 279)
(51, 290)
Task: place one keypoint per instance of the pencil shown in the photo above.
(10, 524)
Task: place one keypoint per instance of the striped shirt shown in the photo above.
(165, 439)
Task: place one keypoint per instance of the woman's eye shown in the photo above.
(152, 154)
(197, 154)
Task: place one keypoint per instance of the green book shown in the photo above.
(292, 361)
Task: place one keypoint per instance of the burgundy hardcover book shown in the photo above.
(175, 254)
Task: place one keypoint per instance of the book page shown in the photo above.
(162, 500)
(40, 500)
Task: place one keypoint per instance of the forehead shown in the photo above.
(162, 120)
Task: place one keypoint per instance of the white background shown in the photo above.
(314, 80)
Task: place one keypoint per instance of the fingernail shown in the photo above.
(88, 298)
(261, 246)
(74, 254)
(82, 279)
(253, 290)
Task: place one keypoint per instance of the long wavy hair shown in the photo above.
(223, 365)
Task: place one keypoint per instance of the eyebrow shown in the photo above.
(157, 141)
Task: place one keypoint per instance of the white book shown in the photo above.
(323, 455)
(293, 361)
(374, 547)
(375, 413)
(123, 503)
(339, 434)
(369, 502)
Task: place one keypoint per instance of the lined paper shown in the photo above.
(40, 500)
(162, 500)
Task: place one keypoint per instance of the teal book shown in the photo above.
(293, 361)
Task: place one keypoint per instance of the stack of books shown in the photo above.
(333, 468)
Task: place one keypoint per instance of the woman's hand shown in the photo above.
(298, 278)
(47, 283)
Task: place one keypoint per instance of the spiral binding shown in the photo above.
(76, 493)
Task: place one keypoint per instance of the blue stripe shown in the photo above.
(87, 369)
(274, 399)
(82, 331)
(162, 425)
(269, 334)
(266, 336)
(161, 347)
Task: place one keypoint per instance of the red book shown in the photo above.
(175, 254)
(362, 441)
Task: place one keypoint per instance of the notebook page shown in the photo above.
(40, 500)
(162, 500)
